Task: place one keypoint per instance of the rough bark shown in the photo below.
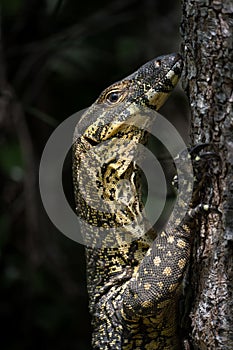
(207, 48)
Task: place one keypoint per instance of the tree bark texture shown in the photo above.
(207, 48)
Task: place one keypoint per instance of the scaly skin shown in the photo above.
(133, 285)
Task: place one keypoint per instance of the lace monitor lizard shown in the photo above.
(133, 284)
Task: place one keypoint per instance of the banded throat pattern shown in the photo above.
(133, 274)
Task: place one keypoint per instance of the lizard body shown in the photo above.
(133, 284)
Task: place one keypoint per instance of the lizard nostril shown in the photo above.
(157, 63)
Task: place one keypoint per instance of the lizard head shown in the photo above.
(148, 87)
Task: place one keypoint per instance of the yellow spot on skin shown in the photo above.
(173, 287)
(170, 239)
(157, 261)
(181, 243)
(146, 304)
(181, 263)
(186, 228)
(147, 286)
(167, 271)
(160, 285)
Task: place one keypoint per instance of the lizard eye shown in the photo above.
(113, 97)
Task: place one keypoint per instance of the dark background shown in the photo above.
(56, 56)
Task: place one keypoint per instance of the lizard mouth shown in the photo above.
(172, 61)
(166, 71)
(176, 69)
(178, 63)
(91, 141)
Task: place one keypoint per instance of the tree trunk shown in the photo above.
(207, 49)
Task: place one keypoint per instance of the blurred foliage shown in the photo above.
(58, 56)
